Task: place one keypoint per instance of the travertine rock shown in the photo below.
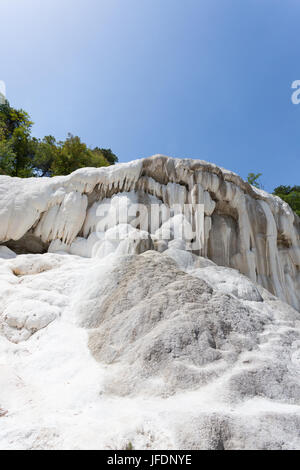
(97, 353)
(114, 331)
(243, 228)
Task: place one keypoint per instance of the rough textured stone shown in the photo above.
(245, 228)
(122, 337)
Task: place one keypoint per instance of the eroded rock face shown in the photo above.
(163, 326)
(152, 349)
(243, 228)
(114, 332)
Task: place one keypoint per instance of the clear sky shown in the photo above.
(207, 79)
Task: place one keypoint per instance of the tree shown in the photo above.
(23, 155)
(61, 158)
(7, 158)
(291, 195)
(97, 159)
(15, 129)
(108, 155)
(282, 190)
(24, 151)
(12, 119)
(73, 154)
(46, 151)
(253, 179)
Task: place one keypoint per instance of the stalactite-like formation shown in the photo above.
(243, 228)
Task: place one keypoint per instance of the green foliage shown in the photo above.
(46, 151)
(7, 157)
(291, 195)
(70, 156)
(12, 119)
(73, 154)
(108, 155)
(23, 155)
(15, 142)
(253, 179)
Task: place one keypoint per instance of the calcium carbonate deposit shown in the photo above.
(154, 305)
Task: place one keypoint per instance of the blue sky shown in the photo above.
(207, 79)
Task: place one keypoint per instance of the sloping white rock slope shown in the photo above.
(106, 342)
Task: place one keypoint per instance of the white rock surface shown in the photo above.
(243, 228)
(109, 340)
(133, 349)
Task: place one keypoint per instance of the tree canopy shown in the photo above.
(25, 156)
(291, 195)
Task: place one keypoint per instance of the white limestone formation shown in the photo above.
(100, 353)
(243, 228)
(115, 333)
